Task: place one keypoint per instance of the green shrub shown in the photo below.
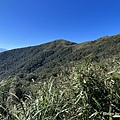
(86, 91)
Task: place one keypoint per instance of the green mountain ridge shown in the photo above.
(46, 59)
(61, 80)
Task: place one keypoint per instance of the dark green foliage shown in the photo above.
(56, 81)
(84, 91)
(34, 59)
(47, 58)
(100, 88)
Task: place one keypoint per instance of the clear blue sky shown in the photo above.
(32, 22)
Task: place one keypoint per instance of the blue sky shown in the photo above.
(32, 22)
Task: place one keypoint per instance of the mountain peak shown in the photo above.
(46, 59)
(62, 42)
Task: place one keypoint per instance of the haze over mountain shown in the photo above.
(2, 49)
(46, 59)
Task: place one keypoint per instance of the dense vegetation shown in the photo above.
(47, 58)
(61, 80)
(87, 91)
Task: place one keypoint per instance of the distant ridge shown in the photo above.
(2, 49)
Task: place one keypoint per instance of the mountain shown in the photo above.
(47, 59)
(2, 49)
(61, 80)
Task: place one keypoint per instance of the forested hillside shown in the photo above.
(61, 80)
(47, 59)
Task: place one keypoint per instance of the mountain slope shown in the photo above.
(46, 59)
(27, 60)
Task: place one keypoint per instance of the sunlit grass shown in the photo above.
(84, 93)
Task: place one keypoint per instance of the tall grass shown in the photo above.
(87, 91)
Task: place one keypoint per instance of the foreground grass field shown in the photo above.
(87, 91)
